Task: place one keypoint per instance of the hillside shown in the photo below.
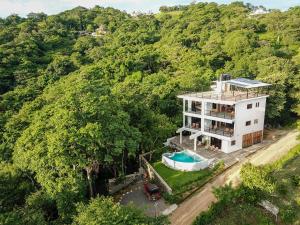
(277, 183)
(77, 109)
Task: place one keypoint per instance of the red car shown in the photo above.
(152, 191)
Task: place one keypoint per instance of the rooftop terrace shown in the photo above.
(233, 96)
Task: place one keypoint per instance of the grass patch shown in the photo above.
(286, 159)
(184, 183)
(243, 214)
(177, 179)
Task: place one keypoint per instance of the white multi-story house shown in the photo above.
(228, 118)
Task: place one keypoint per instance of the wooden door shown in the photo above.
(247, 140)
(257, 137)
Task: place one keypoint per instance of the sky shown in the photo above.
(23, 7)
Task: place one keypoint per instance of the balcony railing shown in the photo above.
(223, 115)
(195, 126)
(194, 111)
(223, 131)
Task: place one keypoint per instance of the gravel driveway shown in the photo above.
(136, 196)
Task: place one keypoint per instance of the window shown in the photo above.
(248, 123)
(232, 143)
(249, 106)
(256, 121)
(257, 104)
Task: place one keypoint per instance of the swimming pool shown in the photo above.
(185, 161)
(185, 157)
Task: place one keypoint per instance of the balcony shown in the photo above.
(194, 111)
(194, 126)
(223, 114)
(195, 108)
(223, 131)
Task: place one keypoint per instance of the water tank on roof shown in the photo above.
(225, 76)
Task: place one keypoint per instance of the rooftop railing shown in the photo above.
(226, 96)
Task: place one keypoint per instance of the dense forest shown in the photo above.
(78, 107)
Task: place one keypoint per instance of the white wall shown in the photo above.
(227, 147)
(242, 114)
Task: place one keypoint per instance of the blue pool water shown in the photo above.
(185, 157)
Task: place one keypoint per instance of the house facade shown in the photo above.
(228, 118)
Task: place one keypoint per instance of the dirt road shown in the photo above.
(186, 212)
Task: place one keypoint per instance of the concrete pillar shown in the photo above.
(189, 105)
(195, 144)
(203, 108)
(180, 140)
(189, 120)
(183, 116)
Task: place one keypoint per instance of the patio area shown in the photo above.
(229, 159)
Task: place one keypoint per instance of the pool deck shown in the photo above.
(228, 158)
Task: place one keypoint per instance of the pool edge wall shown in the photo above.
(182, 166)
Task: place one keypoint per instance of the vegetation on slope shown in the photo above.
(278, 183)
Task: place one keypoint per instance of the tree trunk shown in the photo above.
(90, 181)
(114, 170)
(123, 163)
(94, 167)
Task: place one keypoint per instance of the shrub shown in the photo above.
(288, 214)
(286, 158)
(104, 211)
(209, 216)
(226, 193)
(281, 189)
(172, 199)
(219, 166)
(297, 200)
(14, 187)
(257, 178)
(250, 195)
(295, 179)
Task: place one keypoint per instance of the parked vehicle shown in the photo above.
(152, 191)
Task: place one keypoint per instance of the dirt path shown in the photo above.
(186, 213)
